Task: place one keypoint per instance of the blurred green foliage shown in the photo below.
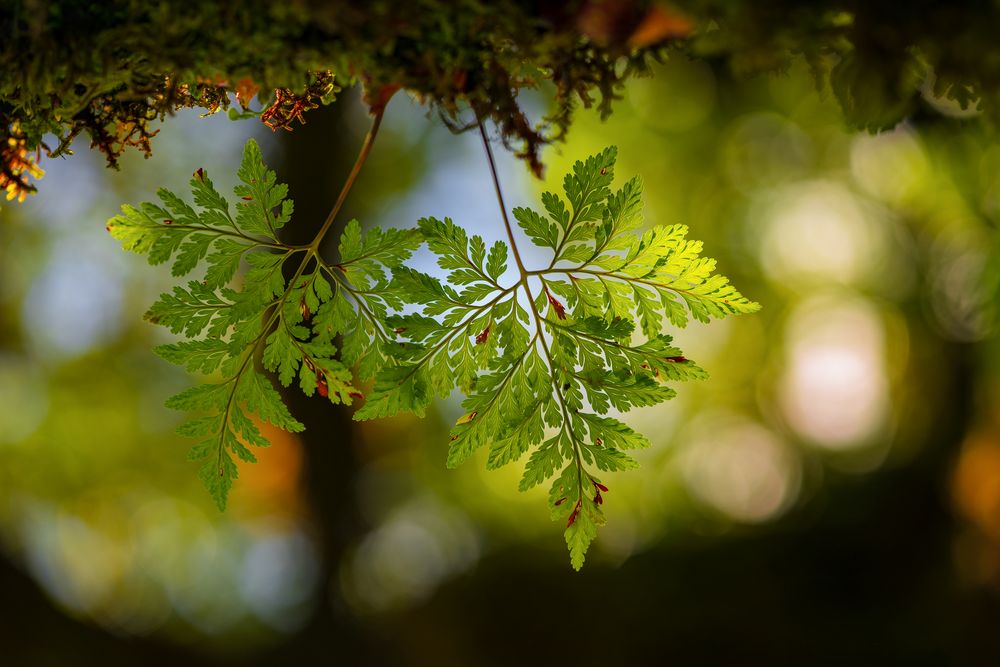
(831, 490)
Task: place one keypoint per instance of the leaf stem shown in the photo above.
(312, 250)
(340, 282)
(601, 275)
(366, 148)
(503, 207)
(523, 282)
(459, 328)
(567, 423)
(236, 235)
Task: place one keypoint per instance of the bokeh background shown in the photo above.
(831, 493)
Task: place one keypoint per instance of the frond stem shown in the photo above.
(503, 207)
(523, 282)
(366, 148)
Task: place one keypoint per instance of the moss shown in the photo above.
(109, 69)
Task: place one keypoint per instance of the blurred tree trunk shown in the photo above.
(316, 159)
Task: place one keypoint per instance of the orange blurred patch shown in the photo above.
(976, 484)
(660, 23)
(617, 22)
(274, 480)
(976, 496)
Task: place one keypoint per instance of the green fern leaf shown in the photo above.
(543, 362)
